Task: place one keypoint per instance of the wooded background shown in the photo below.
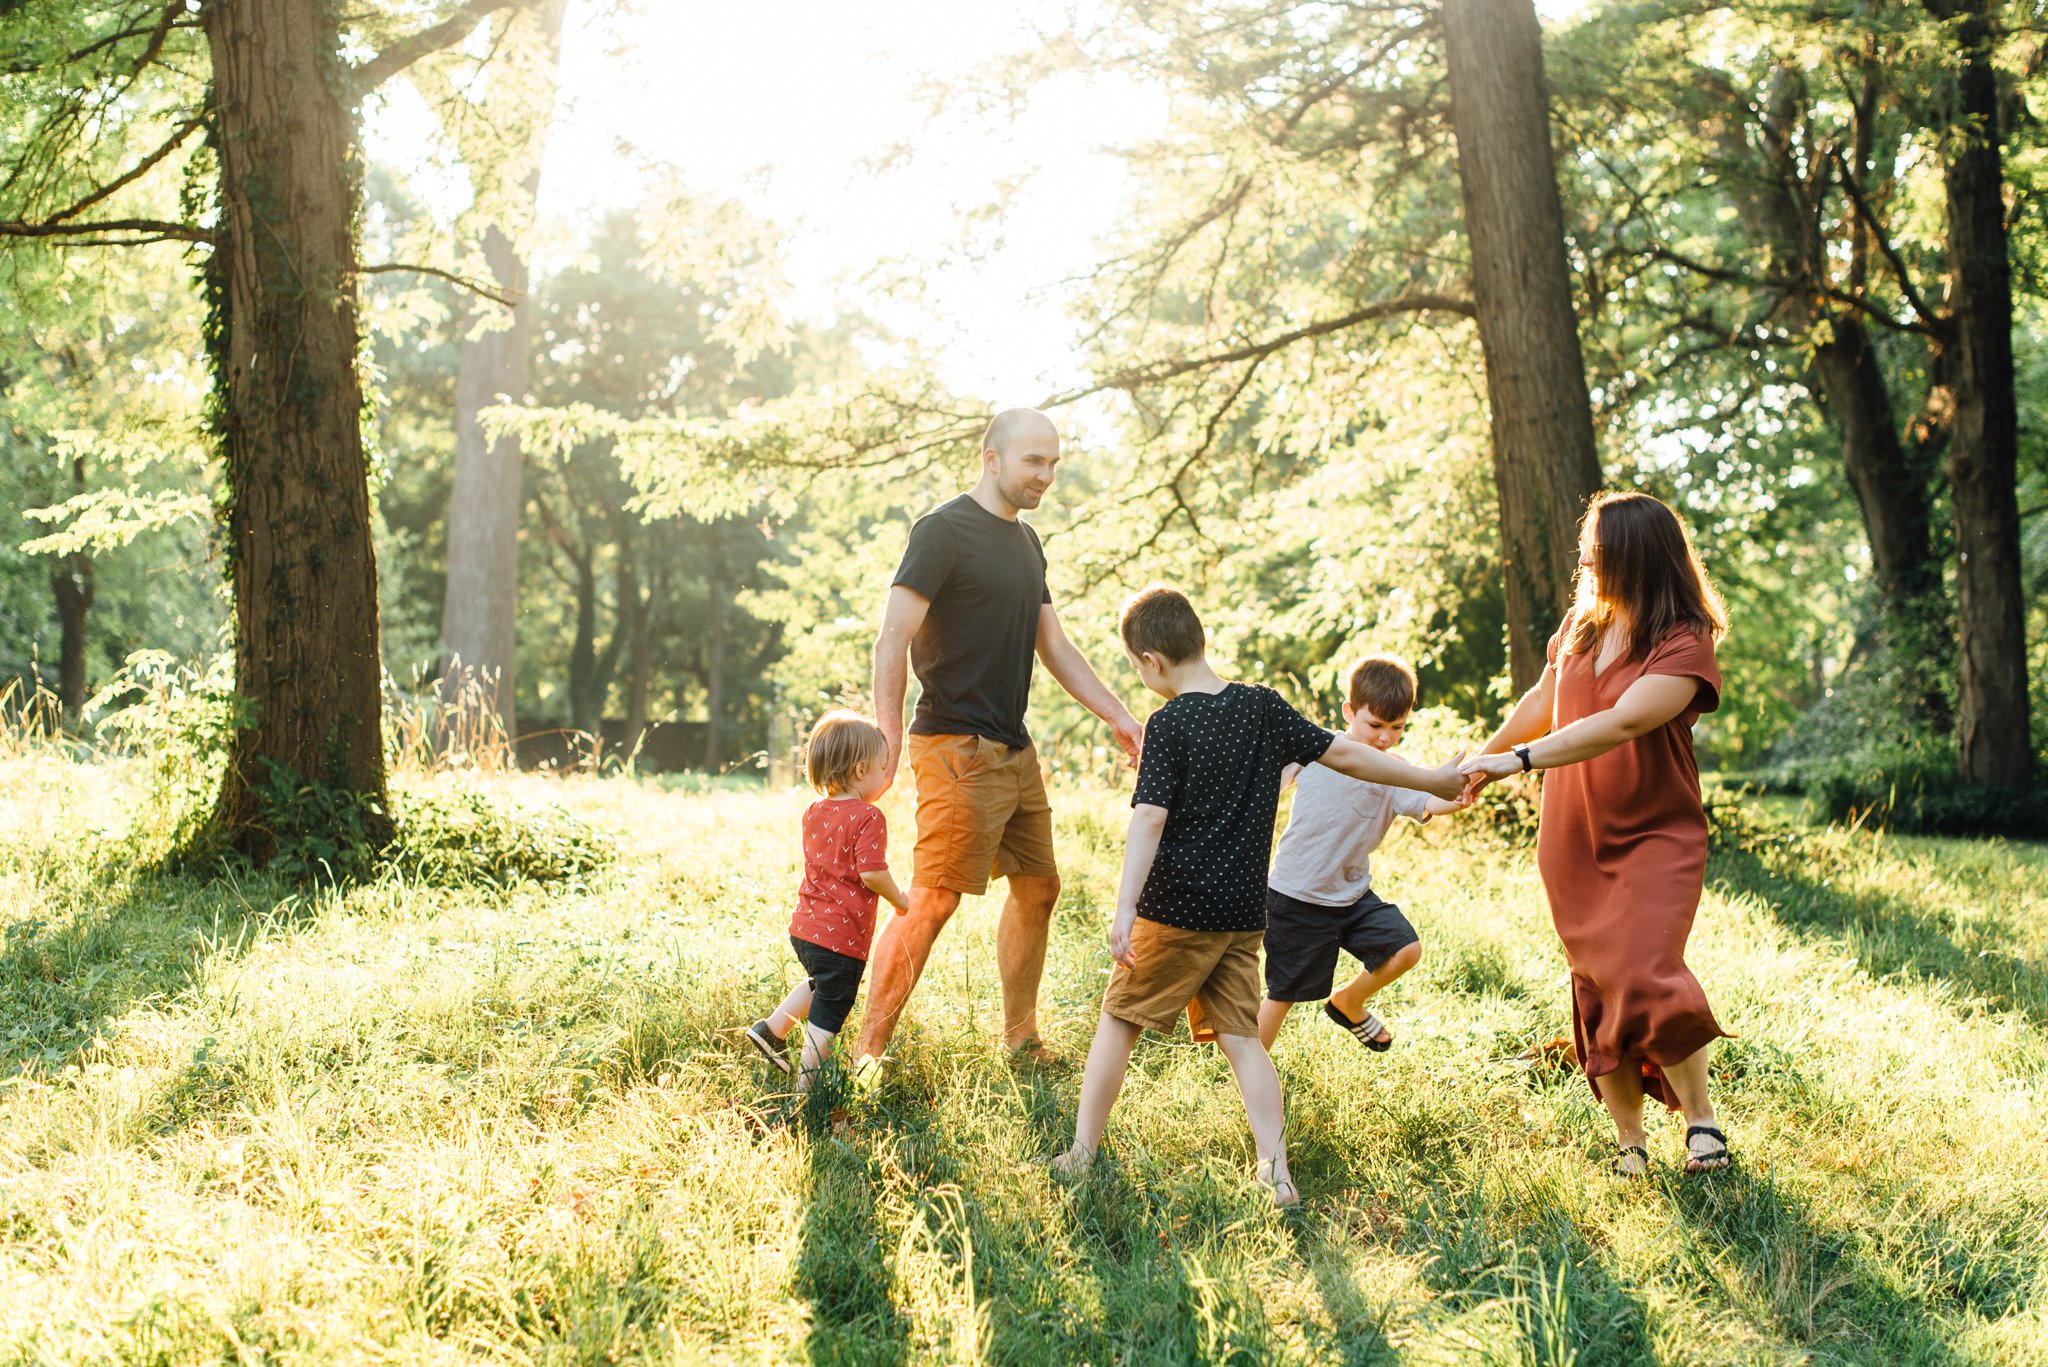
(1400, 286)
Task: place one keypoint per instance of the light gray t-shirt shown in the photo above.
(1325, 854)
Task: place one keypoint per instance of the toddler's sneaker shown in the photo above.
(769, 1043)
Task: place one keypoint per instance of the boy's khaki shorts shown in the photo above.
(981, 812)
(1214, 974)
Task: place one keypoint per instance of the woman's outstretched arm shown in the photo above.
(1648, 703)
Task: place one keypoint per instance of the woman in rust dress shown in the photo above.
(1622, 841)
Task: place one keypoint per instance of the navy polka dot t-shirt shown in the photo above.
(1213, 760)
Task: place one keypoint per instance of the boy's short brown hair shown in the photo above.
(1161, 620)
(841, 745)
(1383, 685)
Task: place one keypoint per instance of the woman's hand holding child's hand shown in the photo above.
(1447, 780)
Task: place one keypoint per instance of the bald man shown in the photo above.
(970, 607)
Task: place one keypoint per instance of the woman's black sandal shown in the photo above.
(1640, 1152)
(1714, 1159)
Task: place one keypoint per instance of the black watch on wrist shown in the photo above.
(1522, 754)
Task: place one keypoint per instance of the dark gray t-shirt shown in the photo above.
(985, 577)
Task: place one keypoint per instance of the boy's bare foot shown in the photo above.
(1277, 1181)
(1075, 1162)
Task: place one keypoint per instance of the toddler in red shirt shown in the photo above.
(846, 864)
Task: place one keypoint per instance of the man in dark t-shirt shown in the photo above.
(970, 607)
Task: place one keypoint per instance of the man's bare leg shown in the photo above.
(898, 960)
(1021, 934)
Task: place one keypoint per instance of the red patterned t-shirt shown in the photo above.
(843, 838)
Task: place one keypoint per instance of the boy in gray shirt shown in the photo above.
(1319, 896)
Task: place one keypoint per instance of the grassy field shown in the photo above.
(452, 1125)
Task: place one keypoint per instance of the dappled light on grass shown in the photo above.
(518, 1122)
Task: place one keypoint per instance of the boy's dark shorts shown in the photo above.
(1302, 940)
(835, 982)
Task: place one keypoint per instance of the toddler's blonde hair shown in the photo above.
(842, 746)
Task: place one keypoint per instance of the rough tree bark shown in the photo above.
(480, 606)
(1994, 742)
(298, 505)
(1544, 462)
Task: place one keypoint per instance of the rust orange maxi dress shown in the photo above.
(1622, 846)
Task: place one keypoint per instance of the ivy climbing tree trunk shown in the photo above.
(1545, 464)
(285, 333)
(1993, 740)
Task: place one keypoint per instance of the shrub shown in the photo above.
(465, 838)
(1919, 794)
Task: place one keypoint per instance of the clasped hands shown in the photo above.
(1480, 770)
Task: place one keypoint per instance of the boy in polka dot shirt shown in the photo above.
(846, 868)
(1191, 908)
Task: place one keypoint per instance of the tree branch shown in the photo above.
(1141, 376)
(157, 230)
(450, 31)
(508, 298)
(1884, 246)
(134, 173)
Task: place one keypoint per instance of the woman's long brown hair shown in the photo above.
(1645, 577)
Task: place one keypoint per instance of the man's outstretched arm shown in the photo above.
(902, 615)
(1065, 662)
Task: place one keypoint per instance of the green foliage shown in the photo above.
(473, 839)
(175, 717)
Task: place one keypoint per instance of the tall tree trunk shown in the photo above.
(481, 599)
(479, 608)
(1993, 738)
(714, 673)
(1892, 489)
(640, 657)
(1892, 479)
(1545, 465)
(283, 294)
(71, 585)
(584, 715)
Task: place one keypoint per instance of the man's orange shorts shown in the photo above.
(981, 812)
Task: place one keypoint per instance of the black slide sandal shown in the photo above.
(1366, 1031)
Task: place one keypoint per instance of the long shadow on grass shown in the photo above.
(117, 937)
(1133, 1264)
(1813, 1285)
(842, 1268)
(1888, 934)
